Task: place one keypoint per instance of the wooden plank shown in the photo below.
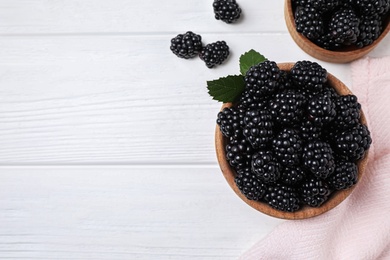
(124, 213)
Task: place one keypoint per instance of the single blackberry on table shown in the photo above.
(309, 131)
(352, 143)
(249, 102)
(344, 176)
(292, 175)
(314, 192)
(214, 54)
(287, 147)
(249, 185)
(239, 153)
(318, 159)
(258, 128)
(262, 80)
(347, 112)
(265, 166)
(371, 7)
(321, 110)
(226, 10)
(231, 121)
(309, 22)
(309, 75)
(282, 198)
(287, 107)
(370, 29)
(344, 26)
(186, 45)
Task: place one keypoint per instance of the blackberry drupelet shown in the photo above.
(287, 147)
(344, 26)
(314, 192)
(309, 131)
(265, 166)
(231, 121)
(186, 45)
(287, 107)
(239, 153)
(214, 54)
(371, 7)
(344, 176)
(258, 128)
(308, 21)
(321, 110)
(318, 159)
(226, 10)
(370, 29)
(347, 112)
(282, 198)
(262, 80)
(249, 185)
(352, 143)
(309, 75)
(292, 176)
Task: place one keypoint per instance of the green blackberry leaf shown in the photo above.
(250, 59)
(226, 89)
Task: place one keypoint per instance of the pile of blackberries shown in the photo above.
(336, 24)
(291, 138)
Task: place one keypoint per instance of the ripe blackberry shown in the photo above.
(214, 53)
(287, 107)
(186, 45)
(344, 26)
(282, 198)
(318, 159)
(352, 143)
(329, 91)
(309, 131)
(347, 112)
(249, 185)
(314, 192)
(344, 176)
(230, 121)
(226, 10)
(308, 21)
(321, 110)
(262, 79)
(239, 153)
(287, 147)
(258, 128)
(309, 75)
(370, 29)
(370, 7)
(292, 176)
(249, 102)
(327, 42)
(265, 166)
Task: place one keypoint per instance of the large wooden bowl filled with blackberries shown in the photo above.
(295, 142)
(338, 31)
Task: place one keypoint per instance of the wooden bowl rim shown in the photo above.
(305, 212)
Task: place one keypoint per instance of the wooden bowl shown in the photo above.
(305, 211)
(345, 55)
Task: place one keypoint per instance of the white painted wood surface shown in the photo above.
(106, 138)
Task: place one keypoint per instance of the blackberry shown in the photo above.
(344, 176)
(347, 112)
(323, 6)
(309, 75)
(287, 107)
(258, 128)
(262, 79)
(226, 10)
(230, 121)
(186, 45)
(321, 110)
(249, 102)
(265, 166)
(344, 26)
(292, 175)
(239, 153)
(371, 7)
(318, 159)
(352, 143)
(330, 92)
(308, 21)
(370, 29)
(327, 42)
(314, 192)
(309, 131)
(282, 198)
(214, 54)
(249, 185)
(287, 147)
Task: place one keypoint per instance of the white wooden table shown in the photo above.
(106, 138)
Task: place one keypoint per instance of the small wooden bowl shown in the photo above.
(345, 55)
(305, 211)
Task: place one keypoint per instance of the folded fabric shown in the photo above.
(358, 228)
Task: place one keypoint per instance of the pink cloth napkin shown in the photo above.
(359, 228)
